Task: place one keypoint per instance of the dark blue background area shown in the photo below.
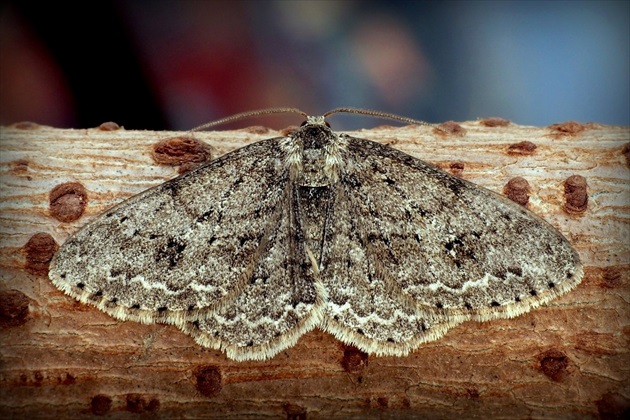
(174, 65)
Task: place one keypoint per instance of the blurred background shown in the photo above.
(176, 64)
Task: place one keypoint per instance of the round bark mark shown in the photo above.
(209, 381)
(575, 194)
(109, 126)
(354, 360)
(611, 278)
(256, 129)
(517, 189)
(522, 148)
(457, 168)
(626, 153)
(568, 128)
(554, 365)
(100, 405)
(295, 412)
(472, 394)
(13, 308)
(67, 379)
(613, 406)
(136, 403)
(495, 122)
(19, 167)
(450, 128)
(38, 378)
(181, 150)
(39, 250)
(25, 125)
(68, 201)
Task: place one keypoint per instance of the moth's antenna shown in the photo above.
(377, 114)
(250, 114)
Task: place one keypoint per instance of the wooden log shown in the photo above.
(570, 358)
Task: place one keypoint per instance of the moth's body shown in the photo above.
(314, 160)
(316, 229)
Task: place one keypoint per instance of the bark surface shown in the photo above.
(570, 358)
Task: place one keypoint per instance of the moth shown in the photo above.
(316, 229)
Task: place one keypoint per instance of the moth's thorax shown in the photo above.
(314, 153)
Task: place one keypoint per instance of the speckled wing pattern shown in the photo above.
(456, 249)
(316, 229)
(165, 255)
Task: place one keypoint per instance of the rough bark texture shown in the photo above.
(570, 358)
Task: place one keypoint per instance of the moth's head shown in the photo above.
(316, 120)
(315, 132)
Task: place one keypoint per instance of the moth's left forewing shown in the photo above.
(455, 248)
(182, 249)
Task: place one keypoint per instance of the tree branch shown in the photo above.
(63, 358)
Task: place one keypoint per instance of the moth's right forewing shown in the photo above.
(457, 249)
